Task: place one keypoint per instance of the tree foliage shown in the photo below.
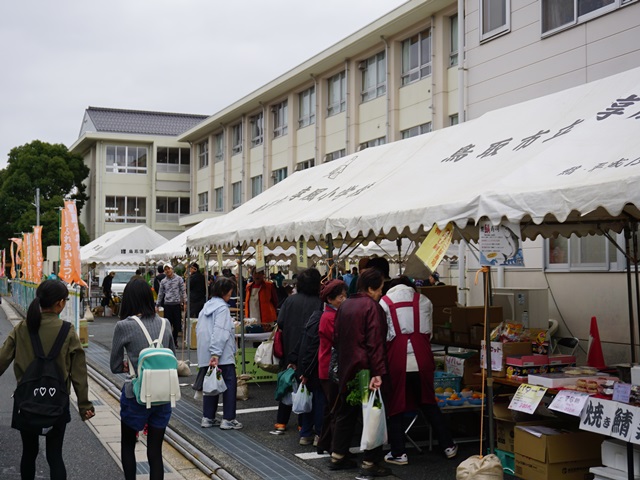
(58, 174)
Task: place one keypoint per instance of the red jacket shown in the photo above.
(360, 336)
(325, 332)
(268, 298)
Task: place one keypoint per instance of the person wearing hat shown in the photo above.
(434, 280)
(261, 300)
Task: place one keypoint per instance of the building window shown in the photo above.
(306, 164)
(374, 77)
(416, 57)
(593, 252)
(218, 142)
(170, 209)
(236, 189)
(125, 209)
(453, 119)
(280, 112)
(173, 160)
(373, 143)
(203, 202)
(256, 124)
(126, 159)
(337, 94)
(335, 155)
(219, 194)
(203, 154)
(453, 41)
(557, 14)
(256, 186)
(278, 175)
(236, 139)
(417, 130)
(495, 17)
(307, 107)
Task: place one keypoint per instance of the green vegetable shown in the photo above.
(358, 388)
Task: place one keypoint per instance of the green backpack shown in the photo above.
(156, 382)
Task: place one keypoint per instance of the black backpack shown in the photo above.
(41, 399)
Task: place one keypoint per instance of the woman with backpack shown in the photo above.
(44, 323)
(137, 300)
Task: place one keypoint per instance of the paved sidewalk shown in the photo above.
(90, 447)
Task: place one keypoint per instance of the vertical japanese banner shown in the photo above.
(4, 262)
(301, 253)
(435, 246)
(259, 256)
(13, 260)
(26, 257)
(219, 256)
(37, 250)
(70, 245)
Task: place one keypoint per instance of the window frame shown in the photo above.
(422, 70)
(140, 203)
(219, 199)
(453, 40)
(236, 139)
(203, 201)
(497, 31)
(280, 123)
(305, 164)
(336, 154)
(574, 242)
(279, 175)
(236, 194)
(121, 159)
(182, 166)
(340, 105)
(218, 142)
(256, 123)
(256, 186)
(374, 142)
(576, 17)
(377, 87)
(416, 130)
(307, 98)
(203, 154)
(169, 216)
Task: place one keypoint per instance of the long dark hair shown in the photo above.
(137, 299)
(47, 294)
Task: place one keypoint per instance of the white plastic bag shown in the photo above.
(288, 397)
(374, 423)
(213, 383)
(302, 400)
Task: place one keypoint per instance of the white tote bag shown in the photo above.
(213, 383)
(374, 423)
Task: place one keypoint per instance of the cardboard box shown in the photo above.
(441, 296)
(555, 453)
(519, 367)
(508, 349)
(506, 420)
(442, 315)
(465, 365)
(463, 317)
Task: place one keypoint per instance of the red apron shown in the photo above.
(397, 356)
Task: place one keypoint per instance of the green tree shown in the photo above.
(57, 173)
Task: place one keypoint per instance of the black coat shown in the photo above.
(293, 316)
(307, 357)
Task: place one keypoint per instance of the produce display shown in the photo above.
(449, 397)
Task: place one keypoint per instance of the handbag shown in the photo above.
(265, 357)
(278, 344)
(213, 383)
(302, 400)
(374, 423)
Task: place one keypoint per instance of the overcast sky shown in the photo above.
(189, 56)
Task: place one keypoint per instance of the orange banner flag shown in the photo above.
(37, 250)
(70, 245)
(13, 260)
(27, 253)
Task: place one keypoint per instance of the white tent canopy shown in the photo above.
(127, 246)
(177, 246)
(557, 164)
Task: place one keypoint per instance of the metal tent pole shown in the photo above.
(487, 336)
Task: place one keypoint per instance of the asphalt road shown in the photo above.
(258, 416)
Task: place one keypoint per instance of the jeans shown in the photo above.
(210, 402)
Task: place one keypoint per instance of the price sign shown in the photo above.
(570, 402)
(527, 398)
(496, 356)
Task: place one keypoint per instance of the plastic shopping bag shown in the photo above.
(374, 422)
(213, 383)
(302, 400)
(287, 399)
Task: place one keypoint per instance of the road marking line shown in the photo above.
(254, 410)
(311, 456)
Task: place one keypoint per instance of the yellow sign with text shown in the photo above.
(434, 247)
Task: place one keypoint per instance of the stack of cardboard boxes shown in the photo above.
(443, 298)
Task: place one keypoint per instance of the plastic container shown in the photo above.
(455, 403)
(476, 401)
(447, 380)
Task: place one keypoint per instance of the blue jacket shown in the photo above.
(216, 333)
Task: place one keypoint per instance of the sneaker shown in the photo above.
(316, 439)
(230, 425)
(451, 452)
(399, 460)
(208, 422)
(305, 441)
(280, 427)
(344, 463)
(374, 470)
